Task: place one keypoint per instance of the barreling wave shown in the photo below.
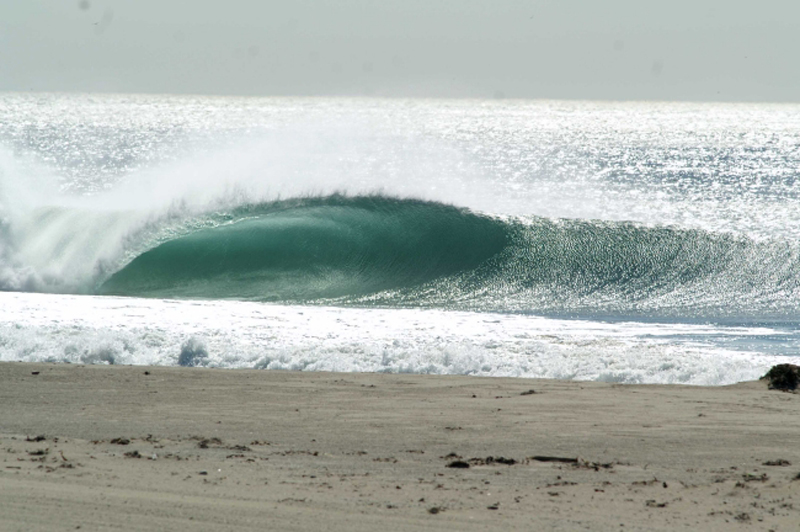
(391, 252)
(377, 250)
(313, 248)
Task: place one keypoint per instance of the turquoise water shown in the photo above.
(385, 251)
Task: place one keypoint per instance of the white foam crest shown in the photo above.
(24, 187)
(88, 329)
(50, 241)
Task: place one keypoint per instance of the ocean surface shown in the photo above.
(621, 242)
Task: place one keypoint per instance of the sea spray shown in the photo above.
(193, 352)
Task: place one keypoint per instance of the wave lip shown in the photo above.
(315, 248)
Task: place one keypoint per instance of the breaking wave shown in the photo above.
(385, 251)
(315, 248)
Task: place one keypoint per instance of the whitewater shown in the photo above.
(625, 242)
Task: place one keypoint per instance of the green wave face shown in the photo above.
(315, 248)
(406, 253)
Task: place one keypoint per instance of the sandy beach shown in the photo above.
(162, 448)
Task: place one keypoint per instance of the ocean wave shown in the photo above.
(386, 251)
(312, 248)
(378, 250)
(593, 267)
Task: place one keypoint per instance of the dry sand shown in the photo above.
(137, 448)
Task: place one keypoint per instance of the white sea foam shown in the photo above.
(227, 334)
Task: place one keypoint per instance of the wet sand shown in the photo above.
(152, 448)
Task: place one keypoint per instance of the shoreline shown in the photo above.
(173, 448)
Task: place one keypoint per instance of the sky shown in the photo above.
(698, 50)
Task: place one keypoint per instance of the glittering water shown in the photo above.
(648, 242)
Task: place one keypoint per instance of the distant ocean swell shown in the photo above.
(390, 252)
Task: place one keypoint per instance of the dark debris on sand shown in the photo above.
(779, 462)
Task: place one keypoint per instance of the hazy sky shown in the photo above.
(606, 49)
